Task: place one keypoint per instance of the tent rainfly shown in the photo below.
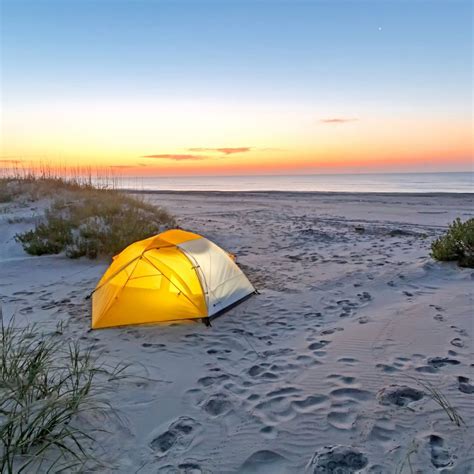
(172, 276)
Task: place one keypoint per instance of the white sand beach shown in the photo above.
(321, 370)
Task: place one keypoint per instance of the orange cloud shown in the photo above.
(338, 120)
(317, 163)
(225, 151)
(176, 157)
(138, 165)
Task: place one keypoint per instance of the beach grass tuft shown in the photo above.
(407, 461)
(46, 384)
(437, 396)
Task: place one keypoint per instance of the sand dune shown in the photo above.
(318, 372)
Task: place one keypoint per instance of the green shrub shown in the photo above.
(48, 237)
(94, 222)
(457, 244)
(8, 190)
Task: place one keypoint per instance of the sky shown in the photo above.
(153, 87)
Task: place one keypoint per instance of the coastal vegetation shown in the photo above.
(457, 244)
(47, 387)
(81, 219)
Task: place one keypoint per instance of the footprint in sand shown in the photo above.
(342, 419)
(343, 380)
(460, 331)
(387, 368)
(457, 342)
(436, 363)
(217, 405)
(348, 360)
(351, 393)
(269, 432)
(212, 380)
(312, 315)
(278, 352)
(365, 296)
(440, 456)
(327, 332)
(383, 431)
(48, 306)
(149, 345)
(260, 370)
(189, 466)
(343, 415)
(25, 293)
(339, 459)
(281, 392)
(309, 403)
(464, 385)
(178, 435)
(264, 462)
(399, 395)
(218, 351)
(315, 346)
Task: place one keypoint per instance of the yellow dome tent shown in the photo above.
(171, 276)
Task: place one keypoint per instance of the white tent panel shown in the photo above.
(222, 279)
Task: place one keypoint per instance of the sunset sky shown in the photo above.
(237, 87)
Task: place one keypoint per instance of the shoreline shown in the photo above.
(300, 193)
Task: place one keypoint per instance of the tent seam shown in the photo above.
(202, 281)
(179, 289)
(114, 300)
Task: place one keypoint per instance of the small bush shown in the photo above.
(457, 244)
(48, 237)
(93, 222)
(45, 385)
(8, 190)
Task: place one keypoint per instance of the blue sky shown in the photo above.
(216, 47)
(393, 56)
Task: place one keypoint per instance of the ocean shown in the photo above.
(456, 182)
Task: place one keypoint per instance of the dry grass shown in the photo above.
(83, 220)
(436, 395)
(46, 180)
(406, 461)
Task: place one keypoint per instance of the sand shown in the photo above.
(317, 372)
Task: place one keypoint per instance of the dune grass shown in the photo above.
(444, 403)
(83, 220)
(406, 461)
(46, 181)
(46, 384)
(438, 397)
(457, 244)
